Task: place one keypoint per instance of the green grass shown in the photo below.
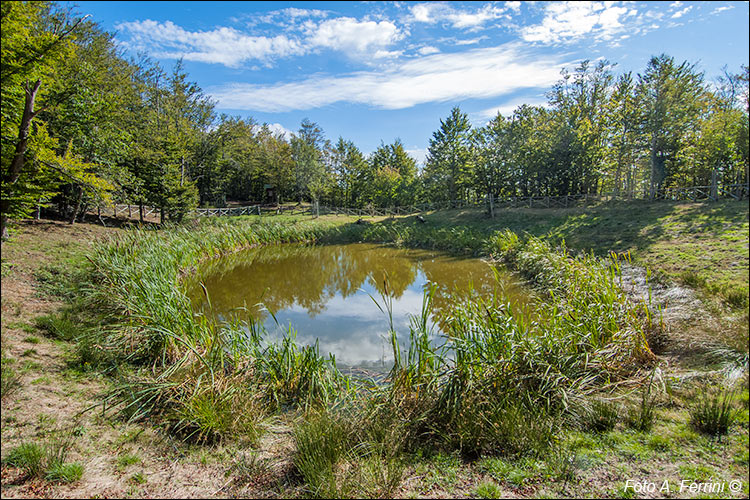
(126, 459)
(703, 245)
(64, 473)
(488, 489)
(29, 457)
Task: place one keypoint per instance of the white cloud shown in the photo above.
(427, 50)
(285, 18)
(722, 9)
(348, 34)
(506, 109)
(439, 12)
(232, 48)
(222, 45)
(477, 73)
(278, 128)
(514, 6)
(472, 41)
(571, 21)
(682, 12)
(419, 154)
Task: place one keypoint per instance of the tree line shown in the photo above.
(83, 125)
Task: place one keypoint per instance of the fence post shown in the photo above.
(714, 193)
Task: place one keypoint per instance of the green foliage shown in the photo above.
(448, 170)
(321, 444)
(46, 459)
(60, 326)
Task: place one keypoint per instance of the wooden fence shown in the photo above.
(694, 193)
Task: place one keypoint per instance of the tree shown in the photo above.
(349, 169)
(35, 40)
(579, 102)
(492, 152)
(448, 169)
(672, 98)
(393, 176)
(310, 174)
(623, 126)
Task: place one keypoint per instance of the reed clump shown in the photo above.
(202, 380)
(505, 378)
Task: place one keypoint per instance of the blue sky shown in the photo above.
(377, 71)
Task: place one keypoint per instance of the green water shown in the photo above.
(326, 293)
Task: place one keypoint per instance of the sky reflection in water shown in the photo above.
(326, 292)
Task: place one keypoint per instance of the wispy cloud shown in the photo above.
(722, 9)
(682, 12)
(476, 73)
(288, 18)
(566, 22)
(436, 12)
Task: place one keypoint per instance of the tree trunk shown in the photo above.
(16, 165)
(78, 204)
(657, 170)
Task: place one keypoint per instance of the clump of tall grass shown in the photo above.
(641, 416)
(10, 380)
(46, 459)
(712, 412)
(602, 416)
(347, 451)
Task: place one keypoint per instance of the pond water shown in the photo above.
(326, 293)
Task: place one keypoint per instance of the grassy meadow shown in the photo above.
(602, 383)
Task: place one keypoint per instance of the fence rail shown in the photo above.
(694, 193)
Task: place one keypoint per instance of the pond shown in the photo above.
(328, 293)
